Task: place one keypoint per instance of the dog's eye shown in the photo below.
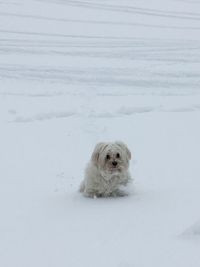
(107, 156)
(118, 155)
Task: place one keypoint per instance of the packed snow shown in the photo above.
(73, 73)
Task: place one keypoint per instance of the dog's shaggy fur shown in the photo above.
(107, 171)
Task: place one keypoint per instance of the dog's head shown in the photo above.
(111, 157)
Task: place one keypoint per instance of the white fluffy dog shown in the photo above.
(107, 171)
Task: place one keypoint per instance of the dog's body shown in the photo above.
(107, 172)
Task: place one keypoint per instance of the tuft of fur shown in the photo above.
(107, 172)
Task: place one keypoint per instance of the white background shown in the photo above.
(73, 73)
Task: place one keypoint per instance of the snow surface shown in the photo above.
(73, 73)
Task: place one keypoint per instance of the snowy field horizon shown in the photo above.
(73, 73)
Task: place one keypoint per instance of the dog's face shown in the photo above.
(111, 157)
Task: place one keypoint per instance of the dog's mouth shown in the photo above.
(115, 169)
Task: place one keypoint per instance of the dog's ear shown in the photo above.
(125, 148)
(97, 150)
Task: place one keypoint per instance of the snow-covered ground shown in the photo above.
(73, 73)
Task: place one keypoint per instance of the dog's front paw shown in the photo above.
(92, 194)
(119, 193)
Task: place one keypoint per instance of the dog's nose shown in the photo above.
(114, 163)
